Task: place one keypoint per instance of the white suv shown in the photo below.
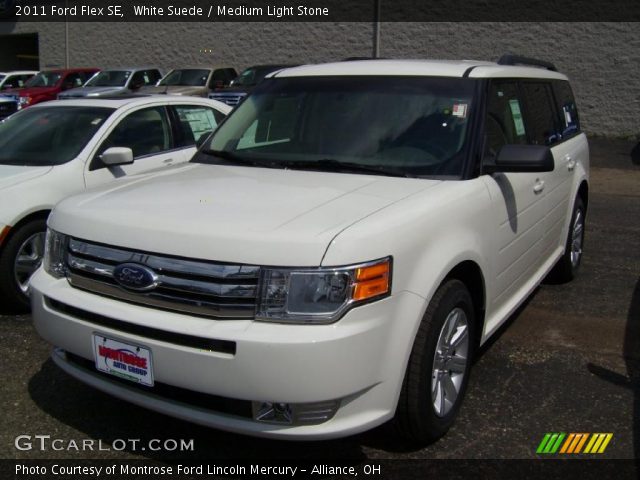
(332, 256)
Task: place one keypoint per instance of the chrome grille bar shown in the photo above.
(210, 289)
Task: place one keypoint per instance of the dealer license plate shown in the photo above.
(124, 360)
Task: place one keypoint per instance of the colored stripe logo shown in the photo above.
(574, 443)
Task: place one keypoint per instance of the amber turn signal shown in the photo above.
(372, 281)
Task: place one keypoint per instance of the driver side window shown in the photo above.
(504, 122)
(146, 132)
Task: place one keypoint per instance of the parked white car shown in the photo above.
(332, 256)
(15, 79)
(56, 149)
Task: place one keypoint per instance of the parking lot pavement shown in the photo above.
(568, 361)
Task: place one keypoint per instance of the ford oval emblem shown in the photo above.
(135, 277)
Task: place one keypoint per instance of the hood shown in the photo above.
(229, 213)
(13, 174)
(176, 90)
(34, 91)
(92, 91)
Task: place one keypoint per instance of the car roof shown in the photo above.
(19, 72)
(70, 70)
(134, 100)
(201, 67)
(431, 68)
(134, 69)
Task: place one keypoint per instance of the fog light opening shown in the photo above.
(273, 412)
(295, 413)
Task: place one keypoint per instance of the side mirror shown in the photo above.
(136, 85)
(117, 156)
(521, 158)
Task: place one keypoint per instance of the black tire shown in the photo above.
(416, 418)
(567, 267)
(13, 298)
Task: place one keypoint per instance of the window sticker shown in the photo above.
(201, 121)
(96, 121)
(517, 117)
(567, 115)
(459, 110)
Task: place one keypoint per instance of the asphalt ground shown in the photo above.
(568, 361)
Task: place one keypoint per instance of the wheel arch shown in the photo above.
(470, 273)
(37, 215)
(583, 193)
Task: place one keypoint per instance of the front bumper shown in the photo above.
(359, 361)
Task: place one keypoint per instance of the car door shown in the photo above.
(545, 129)
(517, 199)
(569, 153)
(148, 133)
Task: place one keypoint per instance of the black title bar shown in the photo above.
(318, 10)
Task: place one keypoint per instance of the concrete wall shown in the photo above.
(600, 58)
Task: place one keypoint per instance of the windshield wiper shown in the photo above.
(233, 158)
(331, 165)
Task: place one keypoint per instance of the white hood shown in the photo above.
(228, 213)
(13, 174)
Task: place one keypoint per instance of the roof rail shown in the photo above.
(511, 59)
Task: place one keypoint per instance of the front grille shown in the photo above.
(232, 99)
(210, 289)
(214, 403)
(7, 108)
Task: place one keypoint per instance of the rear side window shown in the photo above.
(222, 76)
(504, 122)
(74, 80)
(196, 121)
(566, 104)
(541, 113)
(145, 77)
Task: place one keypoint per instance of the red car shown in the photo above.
(47, 84)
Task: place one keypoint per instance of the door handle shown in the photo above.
(168, 160)
(538, 187)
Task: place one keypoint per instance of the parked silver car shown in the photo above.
(114, 82)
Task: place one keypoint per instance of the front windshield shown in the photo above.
(186, 77)
(109, 78)
(409, 126)
(43, 136)
(44, 79)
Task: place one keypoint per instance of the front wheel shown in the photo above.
(438, 371)
(19, 259)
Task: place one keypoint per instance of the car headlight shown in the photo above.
(320, 295)
(24, 102)
(55, 254)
